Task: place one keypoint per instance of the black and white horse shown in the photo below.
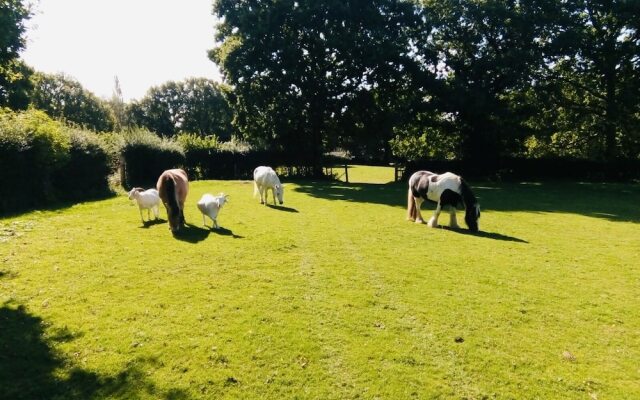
(446, 190)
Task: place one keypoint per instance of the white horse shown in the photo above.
(210, 206)
(446, 190)
(265, 178)
(147, 200)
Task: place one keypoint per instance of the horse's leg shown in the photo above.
(433, 221)
(156, 212)
(181, 204)
(273, 192)
(418, 215)
(411, 207)
(453, 221)
(215, 223)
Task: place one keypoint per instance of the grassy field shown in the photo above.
(333, 296)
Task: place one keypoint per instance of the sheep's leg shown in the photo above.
(433, 221)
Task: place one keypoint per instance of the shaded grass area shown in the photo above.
(333, 295)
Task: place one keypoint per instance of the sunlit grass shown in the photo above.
(334, 296)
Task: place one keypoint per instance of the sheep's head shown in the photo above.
(222, 199)
(134, 192)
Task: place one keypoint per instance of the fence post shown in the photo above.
(346, 172)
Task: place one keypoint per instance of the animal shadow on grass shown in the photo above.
(488, 235)
(191, 233)
(225, 232)
(29, 365)
(283, 208)
(148, 224)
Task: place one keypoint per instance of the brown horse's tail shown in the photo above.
(411, 206)
(172, 201)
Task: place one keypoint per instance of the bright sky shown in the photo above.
(144, 43)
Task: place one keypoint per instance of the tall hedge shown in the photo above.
(145, 155)
(43, 161)
(86, 173)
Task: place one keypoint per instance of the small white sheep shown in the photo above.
(210, 206)
(146, 199)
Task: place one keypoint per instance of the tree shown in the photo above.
(63, 97)
(118, 107)
(309, 75)
(196, 105)
(488, 55)
(14, 74)
(591, 87)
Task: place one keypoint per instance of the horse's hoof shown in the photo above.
(411, 219)
(419, 221)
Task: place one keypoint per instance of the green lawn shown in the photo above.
(334, 296)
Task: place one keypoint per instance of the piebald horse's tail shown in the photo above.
(411, 206)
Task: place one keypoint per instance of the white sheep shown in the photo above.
(146, 199)
(210, 206)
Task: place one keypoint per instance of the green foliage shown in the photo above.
(14, 74)
(145, 155)
(589, 88)
(312, 75)
(45, 161)
(349, 300)
(85, 175)
(64, 98)
(196, 105)
(199, 154)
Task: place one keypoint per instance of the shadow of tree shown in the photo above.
(612, 201)
(57, 206)
(30, 367)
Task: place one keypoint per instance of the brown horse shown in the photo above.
(173, 186)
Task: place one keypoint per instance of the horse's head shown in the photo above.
(280, 193)
(471, 217)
